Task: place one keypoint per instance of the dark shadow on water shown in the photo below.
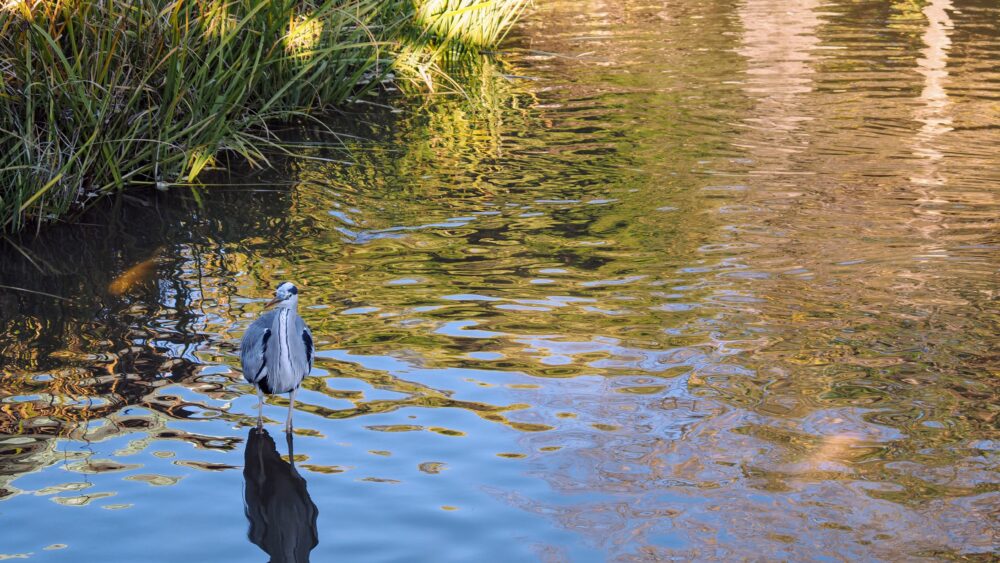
(276, 502)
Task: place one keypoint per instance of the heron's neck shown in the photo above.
(291, 304)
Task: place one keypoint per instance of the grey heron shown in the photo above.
(277, 350)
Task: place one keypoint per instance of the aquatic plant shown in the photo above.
(99, 95)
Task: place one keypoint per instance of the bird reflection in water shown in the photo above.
(282, 516)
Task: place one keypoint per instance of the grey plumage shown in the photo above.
(277, 349)
(253, 345)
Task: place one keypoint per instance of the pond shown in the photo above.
(695, 280)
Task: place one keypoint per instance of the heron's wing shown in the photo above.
(307, 340)
(253, 348)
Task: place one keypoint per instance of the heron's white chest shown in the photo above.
(284, 351)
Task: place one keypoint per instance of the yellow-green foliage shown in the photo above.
(472, 22)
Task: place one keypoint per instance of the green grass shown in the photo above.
(476, 23)
(104, 94)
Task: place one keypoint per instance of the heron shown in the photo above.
(277, 350)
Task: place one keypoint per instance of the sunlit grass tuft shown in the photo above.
(477, 23)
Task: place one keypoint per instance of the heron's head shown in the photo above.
(287, 295)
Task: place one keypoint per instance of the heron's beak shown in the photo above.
(272, 302)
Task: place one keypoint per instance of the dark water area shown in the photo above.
(711, 281)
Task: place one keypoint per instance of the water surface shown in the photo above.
(708, 280)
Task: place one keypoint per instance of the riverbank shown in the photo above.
(98, 96)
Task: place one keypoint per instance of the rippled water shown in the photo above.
(700, 280)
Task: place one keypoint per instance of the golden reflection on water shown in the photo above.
(703, 281)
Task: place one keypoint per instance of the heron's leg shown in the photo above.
(291, 405)
(260, 408)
